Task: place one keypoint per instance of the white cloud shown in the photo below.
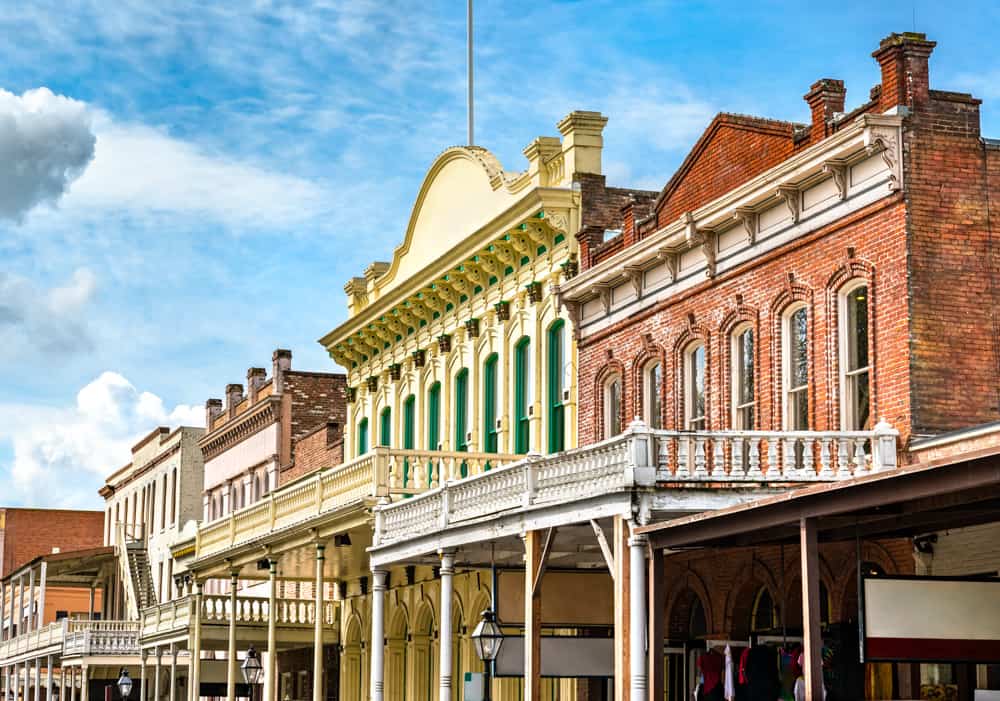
(34, 320)
(141, 169)
(61, 454)
(46, 143)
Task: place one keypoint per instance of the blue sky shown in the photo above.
(251, 156)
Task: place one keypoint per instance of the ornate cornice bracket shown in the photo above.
(884, 140)
(837, 169)
(750, 221)
(792, 197)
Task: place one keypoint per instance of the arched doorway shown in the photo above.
(423, 657)
(397, 642)
(352, 663)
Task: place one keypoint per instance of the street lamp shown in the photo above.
(487, 637)
(252, 669)
(124, 684)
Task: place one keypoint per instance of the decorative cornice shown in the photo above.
(260, 416)
(867, 135)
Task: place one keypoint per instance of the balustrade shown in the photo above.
(101, 638)
(641, 457)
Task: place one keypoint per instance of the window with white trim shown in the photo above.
(855, 372)
(613, 406)
(652, 400)
(743, 400)
(694, 387)
(796, 368)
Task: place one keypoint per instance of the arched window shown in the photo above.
(462, 410)
(854, 368)
(363, 436)
(522, 395)
(385, 427)
(796, 368)
(764, 616)
(233, 498)
(697, 624)
(257, 494)
(434, 417)
(694, 387)
(612, 406)
(743, 352)
(556, 361)
(652, 394)
(490, 432)
(173, 498)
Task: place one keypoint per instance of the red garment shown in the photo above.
(743, 666)
(711, 664)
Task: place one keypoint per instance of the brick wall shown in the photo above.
(312, 400)
(601, 209)
(28, 533)
(812, 269)
(952, 180)
(322, 448)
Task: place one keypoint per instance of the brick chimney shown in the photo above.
(826, 98)
(255, 380)
(234, 395)
(213, 407)
(905, 76)
(282, 363)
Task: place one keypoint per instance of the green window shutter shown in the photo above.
(521, 379)
(362, 436)
(409, 423)
(434, 416)
(385, 428)
(557, 426)
(490, 442)
(461, 409)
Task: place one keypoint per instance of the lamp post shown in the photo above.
(124, 684)
(487, 637)
(252, 669)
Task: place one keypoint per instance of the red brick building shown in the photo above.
(27, 533)
(818, 276)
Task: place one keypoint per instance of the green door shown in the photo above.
(385, 428)
(433, 422)
(409, 432)
(462, 414)
(490, 436)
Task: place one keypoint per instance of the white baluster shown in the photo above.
(773, 467)
(808, 457)
(736, 445)
(860, 459)
(754, 460)
(662, 458)
(842, 469)
(699, 457)
(718, 458)
(789, 461)
(682, 447)
(825, 461)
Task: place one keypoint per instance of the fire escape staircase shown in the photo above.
(136, 573)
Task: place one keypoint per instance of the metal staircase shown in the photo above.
(135, 572)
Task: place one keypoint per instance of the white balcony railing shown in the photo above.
(175, 616)
(45, 637)
(101, 638)
(380, 472)
(642, 457)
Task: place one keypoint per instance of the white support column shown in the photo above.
(20, 605)
(142, 675)
(194, 674)
(90, 607)
(378, 634)
(72, 684)
(173, 672)
(40, 614)
(157, 664)
(38, 679)
(318, 694)
(84, 683)
(270, 671)
(3, 614)
(48, 678)
(31, 601)
(445, 629)
(231, 651)
(637, 619)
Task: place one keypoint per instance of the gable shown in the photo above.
(732, 150)
(463, 191)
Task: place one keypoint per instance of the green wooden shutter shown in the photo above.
(385, 428)
(433, 424)
(462, 414)
(490, 442)
(557, 426)
(362, 436)
(521, 426)
(409, 422)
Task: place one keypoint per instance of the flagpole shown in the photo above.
(469, 21)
